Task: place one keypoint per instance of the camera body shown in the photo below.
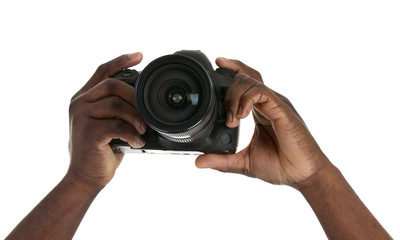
(181, 99)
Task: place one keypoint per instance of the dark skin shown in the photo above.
(282, 151)
(102, 110)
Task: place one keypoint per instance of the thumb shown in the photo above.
(233, 163)
(108, 69)
(238, 67)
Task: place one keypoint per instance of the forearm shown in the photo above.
(59, 214)
(338, 208)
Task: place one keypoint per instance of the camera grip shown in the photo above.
(127, 75)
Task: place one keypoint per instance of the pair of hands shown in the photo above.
(282, 150)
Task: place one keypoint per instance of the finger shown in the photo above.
(110, 68)
(233, 163)
(266, 103)
(240, 85)
(118, 96)
(238, 67)
(111, 87)
(253, 95)
(109, 129)
(116, 108)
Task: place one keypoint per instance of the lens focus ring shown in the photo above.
(200, 130)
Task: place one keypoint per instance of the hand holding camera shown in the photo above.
(103, 110)
(282, 150)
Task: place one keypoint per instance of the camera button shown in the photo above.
(225, 139)
(127, 74)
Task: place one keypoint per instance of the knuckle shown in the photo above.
(247, 80)
(283, 98)
(244, 68)
(259, 87)
(245, 98)
(75, 96)
(118, 126)
(111, 84)
(257, 75)
(103, 68)
(238, 62)
(240, 76)
(244, 79)
(255, 94)
(242, 65)
(114, 102)
(73, 107)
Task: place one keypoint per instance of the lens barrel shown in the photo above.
(175, 96)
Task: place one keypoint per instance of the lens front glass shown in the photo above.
(174, 94)
(175, 98)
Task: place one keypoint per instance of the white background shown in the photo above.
(337, 61)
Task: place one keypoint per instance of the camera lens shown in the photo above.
(176, 98)
(174, 95)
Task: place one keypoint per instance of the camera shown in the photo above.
(181, 99)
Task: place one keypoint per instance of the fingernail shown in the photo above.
(240, 111)
(140, 142)
(229, 117)
(199, 164)
(143, 128)
(133, 55)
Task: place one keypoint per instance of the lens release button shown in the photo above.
(226, 139)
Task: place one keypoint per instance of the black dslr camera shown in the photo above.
(181, 99)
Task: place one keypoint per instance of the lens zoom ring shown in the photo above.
(195, 133)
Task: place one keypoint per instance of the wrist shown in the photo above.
(72, 179)
(323, 177)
